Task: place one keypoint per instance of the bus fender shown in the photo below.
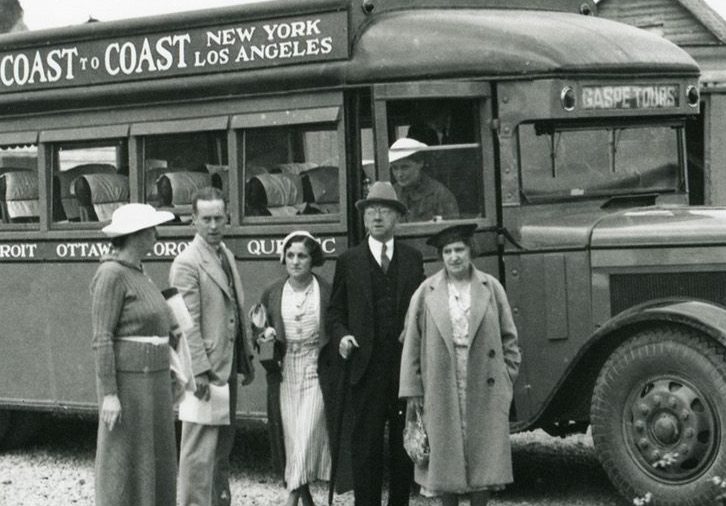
(701, 315)
(570, 398)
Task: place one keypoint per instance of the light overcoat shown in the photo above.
(217, 334)
(428, 369)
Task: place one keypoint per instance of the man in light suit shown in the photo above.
(206, 276)
(373, 284)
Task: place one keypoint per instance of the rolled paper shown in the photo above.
(181, 313)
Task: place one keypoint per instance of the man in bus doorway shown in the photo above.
(373, 284)
(206, 275)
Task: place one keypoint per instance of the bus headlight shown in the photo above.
(568, 98)
(692, 96)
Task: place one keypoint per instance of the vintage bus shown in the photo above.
(561, 135)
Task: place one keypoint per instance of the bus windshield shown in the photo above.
(565, 162)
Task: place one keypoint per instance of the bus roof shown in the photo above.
(400, 40)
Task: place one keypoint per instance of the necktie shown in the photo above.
(226, 267)
(385, 261)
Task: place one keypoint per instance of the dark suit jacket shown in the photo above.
(351, 302)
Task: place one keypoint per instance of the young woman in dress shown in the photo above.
(460, 360)
(295, 306)
(135, 451)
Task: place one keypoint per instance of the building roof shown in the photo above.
(706, 15)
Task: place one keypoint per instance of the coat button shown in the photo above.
(490, 381)
(492, 353)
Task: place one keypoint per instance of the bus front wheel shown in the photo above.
(658, 412)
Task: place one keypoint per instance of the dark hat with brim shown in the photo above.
(382, 193)
(451, 234)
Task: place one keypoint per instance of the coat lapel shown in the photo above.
(438, 306)
(363, 273)
(275, 303)
(324, 298)
(480, 298)
(210, 264)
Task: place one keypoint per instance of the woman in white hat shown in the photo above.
(135, 451)
(291, 314)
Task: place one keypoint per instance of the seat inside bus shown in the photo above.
(67, 208)
(293, 189)
(19, 196)
(176, 189)
(99, 195)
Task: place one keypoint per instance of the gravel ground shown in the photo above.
(57, 469)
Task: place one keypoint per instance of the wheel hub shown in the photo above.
(673, 430)
(666, 429)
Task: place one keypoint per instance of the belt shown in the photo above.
(295, 346)
(155, 340)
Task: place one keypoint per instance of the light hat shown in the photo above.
(289, 236)
(130, 218)
(403, 148)
(382, 192)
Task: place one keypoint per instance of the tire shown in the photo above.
(22, 427)
(662, 396)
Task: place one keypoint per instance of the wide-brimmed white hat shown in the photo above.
(130, 218)
(404, 147)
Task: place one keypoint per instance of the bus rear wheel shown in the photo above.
(657, 414)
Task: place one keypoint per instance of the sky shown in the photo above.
(55, 13)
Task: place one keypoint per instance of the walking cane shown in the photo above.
(342, 397)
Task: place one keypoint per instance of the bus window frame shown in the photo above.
(137, 163)
(418, 90)
(25, 138)
(550, 127)
(47, 139)
(290, 117)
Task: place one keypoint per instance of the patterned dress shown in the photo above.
(301, 399)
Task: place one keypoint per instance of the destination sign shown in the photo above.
(163, 249)
(658, 96)
(282, 41)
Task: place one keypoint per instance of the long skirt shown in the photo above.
(307, 450)
(136, 461)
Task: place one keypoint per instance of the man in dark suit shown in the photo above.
(372, 287)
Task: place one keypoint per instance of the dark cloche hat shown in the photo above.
(382, 192)
(455, 233)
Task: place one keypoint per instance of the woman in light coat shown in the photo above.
(460, 360)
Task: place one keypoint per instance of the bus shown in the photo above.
(559, 134)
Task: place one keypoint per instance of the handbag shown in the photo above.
(415, 439)
(260, 323)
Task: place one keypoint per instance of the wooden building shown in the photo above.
(700, 31)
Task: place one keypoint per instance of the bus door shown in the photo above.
(453, 178)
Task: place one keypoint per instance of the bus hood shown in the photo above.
(656, 226)
(646, 226)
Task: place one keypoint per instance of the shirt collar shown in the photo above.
(376, 246)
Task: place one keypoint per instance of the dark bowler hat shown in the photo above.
(451, 234)
(382, 193)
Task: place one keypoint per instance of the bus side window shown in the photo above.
(176, 165)
(443, 180)
(19, 185)
(291, 171)
(99, 169)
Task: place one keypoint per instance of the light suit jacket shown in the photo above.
(214, 340)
